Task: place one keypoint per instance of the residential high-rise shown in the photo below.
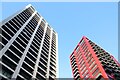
(29, 47)
(89, 61)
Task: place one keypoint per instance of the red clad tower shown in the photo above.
(89, 61)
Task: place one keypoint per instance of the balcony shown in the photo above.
(9, 62)
(43, 61)
(13, 25)
(25, 74)
(40, 77)
(16, 23)
(19, 46)
(41, 71)
(30, 62)
(42, 66)
(6, 72)
(28, 68)
(52, 74)
(31, 56)
(12, 56)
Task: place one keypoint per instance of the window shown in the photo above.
(93, 68)
(77, 49)
(96, 71)
(92, 64)
(81, 43)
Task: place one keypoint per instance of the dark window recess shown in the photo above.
(28, 31)
(31, 51)
(39, 36)
(24, 34)
(76, 74)
(18, 20)
(45, 47)
(36, 45)
(52, 61)
(24, 15)
(21, 37)
(40, 77)
(44, 53)
(31, 57)
(44, 57)
(1, 46)
(50, 78)
(7, 30)
(6, 72)
(36, 41)
(53, 54)
(4, 41)
(8, 62)
(19, 78)
(25, 31)
(34, 22)
(13, 25)
(52, 74)
(43, 67)
(30, 26)
(52, 64)
(45, 50)
(78, 78)
(40, 32)
(52, 69)
(52, 57)
(5, 34)
(12, 56)
(33, 25)
(15, 51)
(43, 61)
(29, 62)
(34, 49)
(41, 71)
(21, 19)
(47, 39)
(16, 23)
(35, 55)
(46, 43)
(27, 68)
(25, 74)
(27, 13)
(23, 44)
(18, 46)
(21, 15)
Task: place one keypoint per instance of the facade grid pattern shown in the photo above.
(89, 61)
(28, 47)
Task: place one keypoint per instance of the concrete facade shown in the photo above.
(29, 47)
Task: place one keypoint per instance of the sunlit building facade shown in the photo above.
(28, 47)
(89, 61)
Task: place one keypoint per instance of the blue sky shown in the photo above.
(97, 21)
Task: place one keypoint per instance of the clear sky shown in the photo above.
(97, 21)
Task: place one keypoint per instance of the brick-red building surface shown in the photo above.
(89, 61)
